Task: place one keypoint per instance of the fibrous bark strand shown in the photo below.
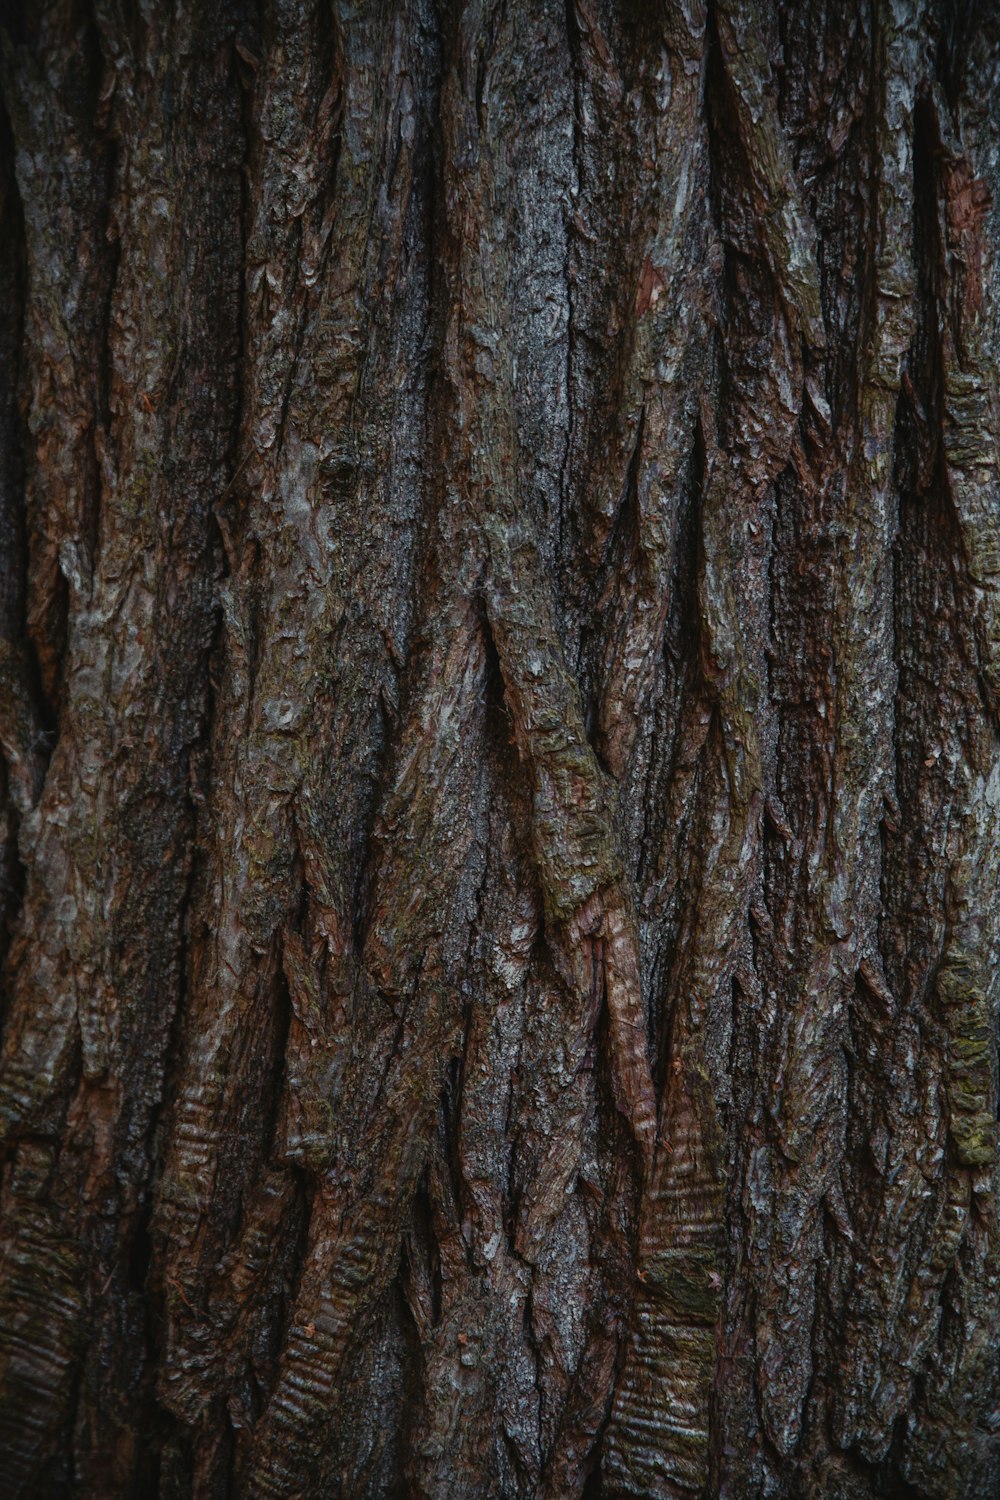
(499, 749)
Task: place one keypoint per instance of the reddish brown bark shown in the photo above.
(499, 678)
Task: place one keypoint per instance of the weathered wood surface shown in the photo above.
(500, 727)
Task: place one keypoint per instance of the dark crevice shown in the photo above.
(680, 656)
(664, 908)
(329, 65)
(13, 271)
(616, 571)
(680, 822)
(108, 247)
(961, 24)
(13, 543)
(226, 509)
(570, 273)
(426, 217)
(144, 1253)
(283, 1014)
(140, 1249)
(500, 723)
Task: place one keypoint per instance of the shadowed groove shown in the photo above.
(502, 503)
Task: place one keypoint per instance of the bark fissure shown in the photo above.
(500, 749)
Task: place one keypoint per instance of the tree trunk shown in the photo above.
(500, 723)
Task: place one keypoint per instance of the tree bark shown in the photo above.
(500, 726)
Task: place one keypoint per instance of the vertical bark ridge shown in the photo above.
(487, 1422)
(833, 744)
(505, 458)
(93, 991)
(52, 83)
(334, 418)
(500, 520)
(888, 323)
(21, 733)
(657, 1437)
(772, 251)
(932, 1221)
(262, 739)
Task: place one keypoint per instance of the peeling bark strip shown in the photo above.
(500, 749)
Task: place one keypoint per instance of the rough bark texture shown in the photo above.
(500, 724)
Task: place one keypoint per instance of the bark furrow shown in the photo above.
(499, 749)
